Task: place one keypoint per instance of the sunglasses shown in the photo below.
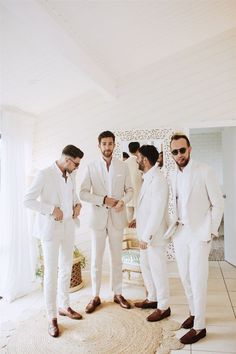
(75, 163)
(176, 151)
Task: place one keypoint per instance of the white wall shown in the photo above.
(207, 148)
(195, 85)
(229, 164)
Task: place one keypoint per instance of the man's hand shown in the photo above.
(57, 214)
(111, 202)
(132, 224)
(119, 206)
(143, 245)
(76, 211)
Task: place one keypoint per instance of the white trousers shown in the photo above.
(58, 258)
(154, 270)
(115, 238)
(192, 260)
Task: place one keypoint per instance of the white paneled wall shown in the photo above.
(195, 85)
(207, 148)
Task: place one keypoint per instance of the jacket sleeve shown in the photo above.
(75, 196)
(128, 189)
(31, 199)
(215, 196)
(158, 205)
(86, 192)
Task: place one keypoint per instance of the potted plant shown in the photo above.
(79, 262)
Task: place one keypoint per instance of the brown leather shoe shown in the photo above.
(146, 304)
(95, 302)
(119, 299)
(53, 329)
(187, 324)
(158, 315)
(192, 336)
(70, 313)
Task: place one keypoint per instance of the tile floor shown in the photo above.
(221, 307)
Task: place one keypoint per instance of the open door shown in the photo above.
(229, 176)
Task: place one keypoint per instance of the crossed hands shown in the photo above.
(118, 205)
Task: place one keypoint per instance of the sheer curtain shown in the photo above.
(16, 257)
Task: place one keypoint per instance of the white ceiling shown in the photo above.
(57, 50)
(124, 36)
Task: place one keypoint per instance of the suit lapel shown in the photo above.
(191, 181)
(101, 174)
(144, 188)
(57, 184)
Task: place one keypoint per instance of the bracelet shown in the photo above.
(104, 199)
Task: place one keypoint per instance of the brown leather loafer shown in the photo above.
(93, 304)
(158, 315)
(70, 313)
(187, 324)
(53, 329)
(119, 299)
(146, 304)
(193, 336)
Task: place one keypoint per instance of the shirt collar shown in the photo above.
(59, 172)
(148, 175)
(186, 169)
(104, 161)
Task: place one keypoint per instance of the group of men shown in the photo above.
(197, 211)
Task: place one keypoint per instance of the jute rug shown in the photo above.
(109, 330)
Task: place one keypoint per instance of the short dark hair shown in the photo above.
(106, 134)
(150, 152)
(180, 136)
(72, 151)
(125, 155)
(133, 146)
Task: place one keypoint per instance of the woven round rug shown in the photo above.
(109, 330)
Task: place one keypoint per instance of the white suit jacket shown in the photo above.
(204, 203)
(93, 190)
(151, 218)
(43, 196)
(136, 179)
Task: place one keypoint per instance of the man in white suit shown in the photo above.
(53, 196)
(198, 209)
(136, 178)
(151, 225)
(107, 187)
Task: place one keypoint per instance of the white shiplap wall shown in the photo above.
(195, 85)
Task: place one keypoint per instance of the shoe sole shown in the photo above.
(124, 307)
(72, 318)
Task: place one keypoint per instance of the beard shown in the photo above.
(140, 167)
(183, 162)
(68, 171)
(107, 153)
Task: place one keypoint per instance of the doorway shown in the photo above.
(207, 147)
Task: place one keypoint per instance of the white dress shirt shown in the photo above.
(66, 198)
(182, 190)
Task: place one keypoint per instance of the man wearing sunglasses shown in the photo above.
(52, 195)
(198, 210)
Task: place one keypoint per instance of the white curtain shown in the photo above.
(16, 257)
